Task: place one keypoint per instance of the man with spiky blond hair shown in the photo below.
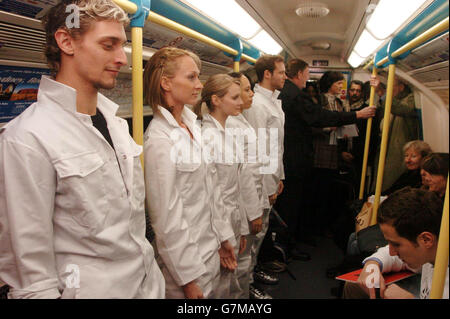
(72, 217)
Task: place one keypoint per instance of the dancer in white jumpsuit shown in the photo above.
(252, 211)
(72, 208)
(181, 194)
(266, 116)
(222, 95)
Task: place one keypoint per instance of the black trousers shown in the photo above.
(295, 207)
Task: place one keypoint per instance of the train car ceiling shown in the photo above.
(233, 17)
(324, 34)
(311, 36)
(429, 63)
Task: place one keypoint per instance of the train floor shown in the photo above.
(311, 280)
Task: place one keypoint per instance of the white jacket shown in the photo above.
(390, 263)
(234, 179)
(71, 207)
(266, 114)
(250, 165)
(181, 196)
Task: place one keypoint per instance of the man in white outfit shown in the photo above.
(267, 118)
(72, 217)
(410, 220)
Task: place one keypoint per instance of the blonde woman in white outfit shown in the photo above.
(222, 96)
(180, 193)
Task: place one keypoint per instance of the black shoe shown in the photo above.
(300, 255)
(256, 293)
(264, 277)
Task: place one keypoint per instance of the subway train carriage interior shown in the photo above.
(362, 115)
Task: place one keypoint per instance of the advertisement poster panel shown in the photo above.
(18, 89)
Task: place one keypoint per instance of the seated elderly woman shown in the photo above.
(434, 171)
(414, 152)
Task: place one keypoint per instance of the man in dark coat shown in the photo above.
(301, 114)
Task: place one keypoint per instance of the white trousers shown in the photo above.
(229, 285)
(208, 282)
(256, 241)
(243, 272)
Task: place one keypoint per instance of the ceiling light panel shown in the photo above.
(229, 14)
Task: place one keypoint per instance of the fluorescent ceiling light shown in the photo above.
(265, 43)
(229, 14)
(389, 15)
(355, 60)
(366, 44)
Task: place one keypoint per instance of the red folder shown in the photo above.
(389, 278)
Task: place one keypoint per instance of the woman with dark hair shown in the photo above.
(434, 172)
(329, 152)
(326, 152)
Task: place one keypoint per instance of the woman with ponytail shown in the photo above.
(222, 97)
(181, 196)
(251, 210)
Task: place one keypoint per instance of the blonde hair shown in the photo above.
(218, 85)
(419, 146)
(89, 11)
(162, 63)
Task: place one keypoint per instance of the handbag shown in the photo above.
(362, 220)
(370, 239)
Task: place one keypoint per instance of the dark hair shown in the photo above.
(382, 86)
(357, 82)
(412, 211)
(313, 85)
(294, 66)
(266, 62)
(327, 80)
(406, 87)
(436, 164)
(238, 75)
(366, 90)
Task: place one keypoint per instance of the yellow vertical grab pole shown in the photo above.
(236, 66)
(384, 142)
(366, 145)
(441, 263)
(137, 74)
